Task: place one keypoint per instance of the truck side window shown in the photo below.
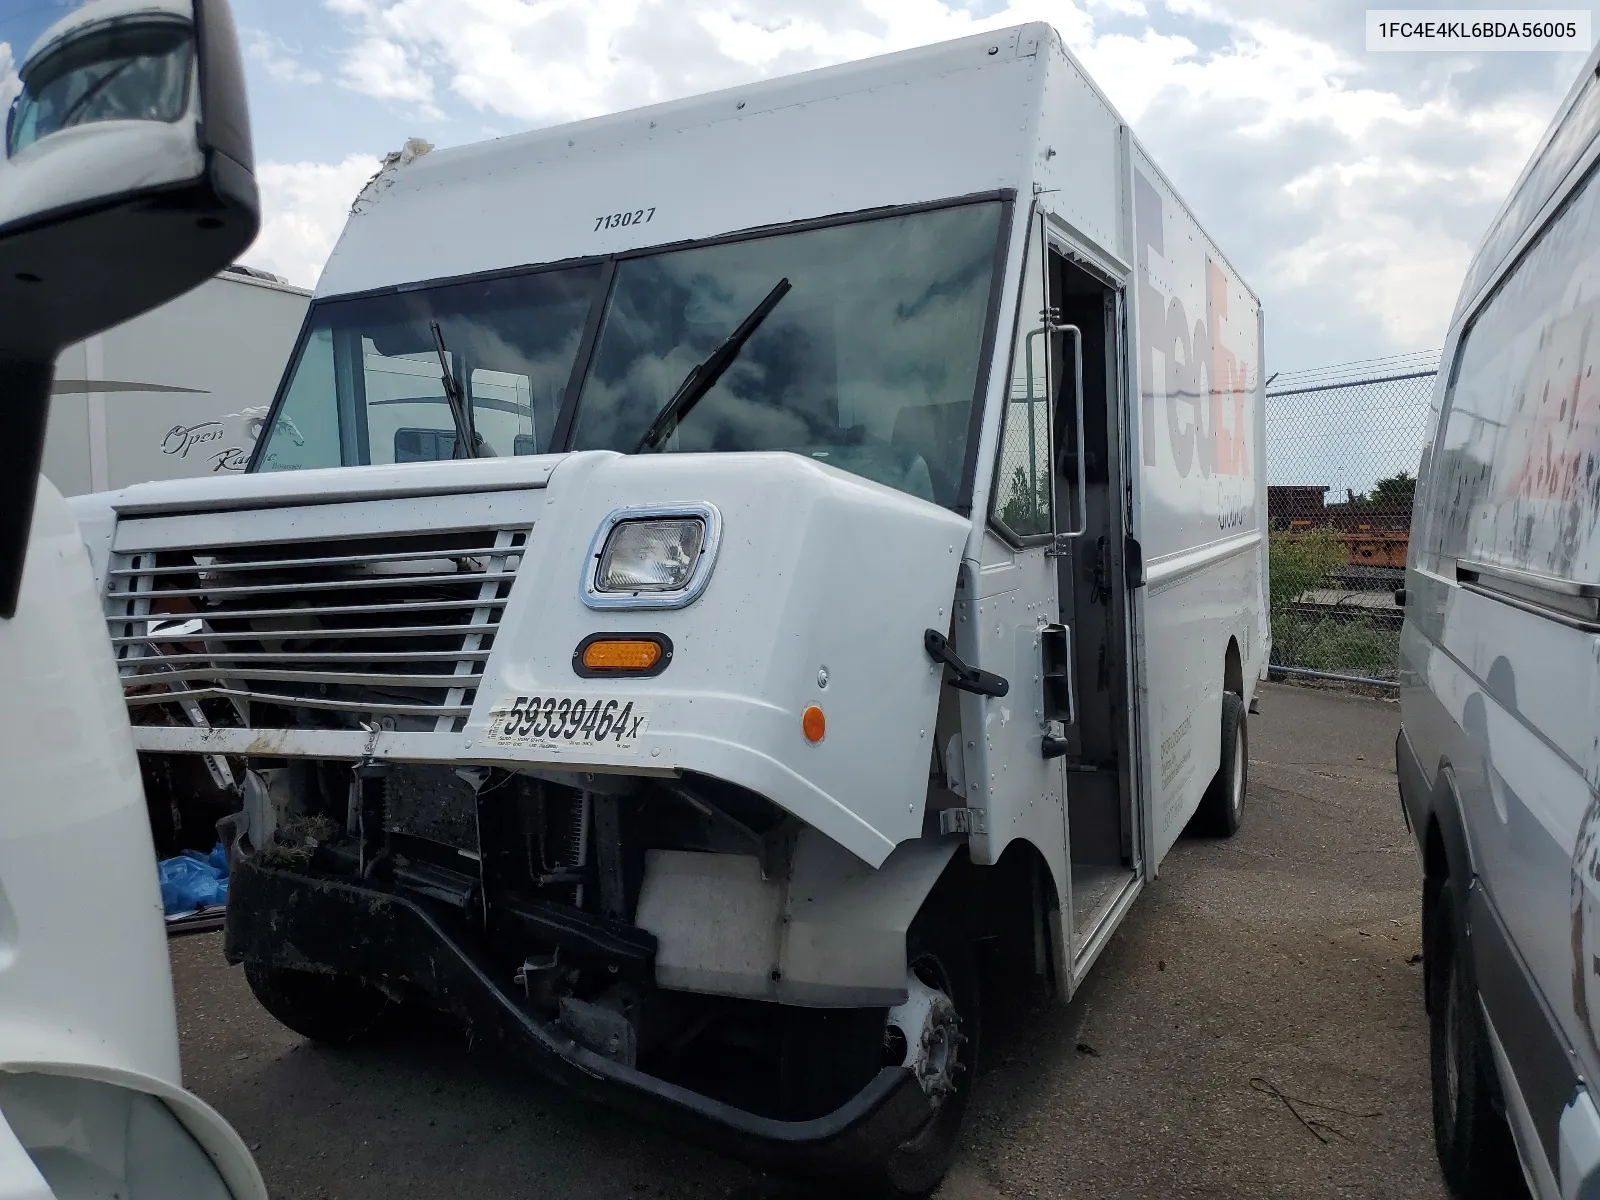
(1516, 475)
(1023, 490)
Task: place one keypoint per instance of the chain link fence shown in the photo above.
(1342, 449)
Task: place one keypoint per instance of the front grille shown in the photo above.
(390, 630)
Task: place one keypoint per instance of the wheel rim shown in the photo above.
(1452, 1063)
(952, 1051)
(1237, 798)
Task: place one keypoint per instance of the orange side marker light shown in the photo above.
(813, 724)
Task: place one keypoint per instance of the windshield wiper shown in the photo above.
(704, 375)
(466, 435)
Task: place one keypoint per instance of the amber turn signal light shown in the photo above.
(813, 724)
(622, 654)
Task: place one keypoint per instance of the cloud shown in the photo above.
(303, 207)
(1353, 209)
(387, 70)
(1124, 8)
(1349, 189)
(567, 59)
(10, 85)
(278, 59)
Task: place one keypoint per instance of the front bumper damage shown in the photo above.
(301, 919)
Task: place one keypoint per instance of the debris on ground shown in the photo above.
(193, 881)
(1317, 1127)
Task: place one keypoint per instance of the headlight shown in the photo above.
(652, 557)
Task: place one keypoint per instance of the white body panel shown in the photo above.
(1195, 474)
(833, 141)
(804, 546)
(85, 986)
(1201, 493)
(177, 392)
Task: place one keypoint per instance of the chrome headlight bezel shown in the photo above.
(711, 540)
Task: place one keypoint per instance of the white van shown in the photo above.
(1499, 754)
(872, 562)
(179, 391)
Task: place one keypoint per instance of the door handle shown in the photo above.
(1055, 674)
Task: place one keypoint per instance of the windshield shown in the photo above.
(129, 72)
(367, 386)
(870, 363)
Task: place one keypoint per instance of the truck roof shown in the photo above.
(954, 119)
(1544, 178)
(255, 277)
(97, 11)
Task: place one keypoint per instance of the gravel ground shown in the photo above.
(1255, 1029)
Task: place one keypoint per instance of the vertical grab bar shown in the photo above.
(1082, 514)
(1033, 409)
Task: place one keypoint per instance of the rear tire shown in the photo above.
(1476, 1153)
(333, 1009)
(1222, 807)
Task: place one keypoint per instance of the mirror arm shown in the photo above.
(966, 678)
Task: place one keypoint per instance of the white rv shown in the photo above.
(176, 392)
(839, 539)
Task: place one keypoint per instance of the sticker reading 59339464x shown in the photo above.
(556, 722)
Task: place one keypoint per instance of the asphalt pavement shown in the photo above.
(1255, 1029)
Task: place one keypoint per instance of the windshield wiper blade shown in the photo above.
(704, 375)
(466, 435)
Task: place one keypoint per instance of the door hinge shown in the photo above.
(963, 820)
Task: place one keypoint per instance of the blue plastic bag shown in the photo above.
(217, 859)
(193, 881)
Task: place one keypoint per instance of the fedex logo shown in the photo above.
(1202, 406)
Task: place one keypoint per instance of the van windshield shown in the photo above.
(129, 71)
(870, 363)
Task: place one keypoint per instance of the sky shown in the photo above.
(1348, 188)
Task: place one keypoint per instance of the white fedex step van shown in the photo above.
(838, 538)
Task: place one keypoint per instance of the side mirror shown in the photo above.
(129, 179)
(129, 175)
